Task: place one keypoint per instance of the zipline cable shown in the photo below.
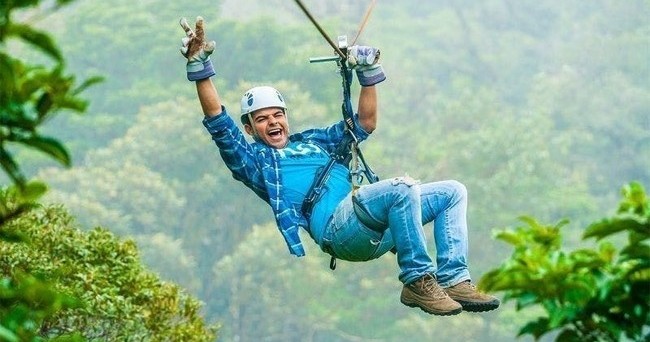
(347, 150)
(320, 29)
(371, 6)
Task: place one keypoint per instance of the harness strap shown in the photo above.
(317, 187)
(341, 155)
(347, 150)
(364, 216)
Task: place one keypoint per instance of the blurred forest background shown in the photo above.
(539, 108)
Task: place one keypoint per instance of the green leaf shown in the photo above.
(32, 191)
(36, 38)
(509, 237)
(609, 227)
(636, 251)
(63, 2)
(526, 299)
(568, 335)
(50, 146)
(586, 258)
(10, 167)
(44, 104)
(12, 236)
(642, 274)
(15, 119)
(6, 74)
(74, 337)
(72, 103)
(24, 3)
(536, 328)
(7, 335)
(635, 200)
(532, 222)
(87, 83)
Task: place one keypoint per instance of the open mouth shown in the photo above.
(275, 133)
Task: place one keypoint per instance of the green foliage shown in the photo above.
(25, 302)
(32, 94)
(588, 294)
(29, 96)
(120, 299)
(16, 200)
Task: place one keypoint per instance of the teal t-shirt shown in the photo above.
(299, 162)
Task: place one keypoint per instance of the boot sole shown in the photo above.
(478, 307)
(433, 312)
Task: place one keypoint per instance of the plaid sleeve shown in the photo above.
(236, 152)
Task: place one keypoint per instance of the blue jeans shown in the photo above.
(403, 206)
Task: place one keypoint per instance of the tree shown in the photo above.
(120, 299)
(59, 282)
(600, 294)
(30, 94)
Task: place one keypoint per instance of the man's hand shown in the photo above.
(197, 51)
(365, 60)
(362, 55)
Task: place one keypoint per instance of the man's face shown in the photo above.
(271, 126)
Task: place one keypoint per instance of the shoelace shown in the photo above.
(469, 284)
(430, 285)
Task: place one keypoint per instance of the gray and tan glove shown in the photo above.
(197, 51)
(365, 61)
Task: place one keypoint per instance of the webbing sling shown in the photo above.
(346, 150)
(343, 153)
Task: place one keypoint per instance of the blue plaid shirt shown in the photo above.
(257, 166)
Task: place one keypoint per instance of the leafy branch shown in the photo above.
(29, 96)
(588, 294)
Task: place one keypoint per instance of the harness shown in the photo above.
(347, 152)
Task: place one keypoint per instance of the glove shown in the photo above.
(197, 51)
(364, 60)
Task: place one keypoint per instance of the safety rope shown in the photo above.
(347, 151)
(364, 21)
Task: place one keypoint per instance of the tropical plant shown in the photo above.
(119, 299)
(600, 294)
(30, 94)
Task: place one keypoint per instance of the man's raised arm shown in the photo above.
(365, 60)
(199, 66)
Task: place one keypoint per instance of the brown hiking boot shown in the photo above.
(471, 299)
(426, 294)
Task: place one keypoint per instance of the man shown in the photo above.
(357, 225)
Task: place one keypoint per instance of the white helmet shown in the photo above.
(258, 98)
